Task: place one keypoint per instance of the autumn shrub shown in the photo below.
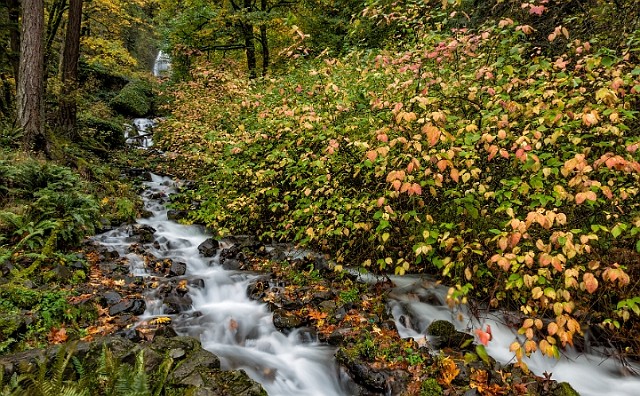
(467, 154)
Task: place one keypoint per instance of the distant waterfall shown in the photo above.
(162, 65)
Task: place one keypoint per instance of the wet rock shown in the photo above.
(323, 295)
(138, 307)
(134, 307)
(196, 283)
(177, 268)
(327, 305)
(338, 336)
(176, 215)
(231, 264)
(444, 334)
(285, 320)
(258, 287)
(144, 232)
(109, 255)
(111, 298)
(209, 247)
(177, 304)
(363, 374)
(121, 307)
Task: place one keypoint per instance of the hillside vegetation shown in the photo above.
(494, 144)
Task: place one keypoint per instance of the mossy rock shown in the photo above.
(564, 389)
(109, 132)
(446, 335)
(135, 99)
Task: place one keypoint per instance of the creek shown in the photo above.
(227, 322)
(416, 302)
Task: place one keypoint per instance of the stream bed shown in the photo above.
(228, 323)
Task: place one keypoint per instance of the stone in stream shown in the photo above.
(444, 335)
(285, 320)
(143, 232)
(209, 247)
(177, 304)
(177, 268)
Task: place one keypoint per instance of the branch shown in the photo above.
(226, 47)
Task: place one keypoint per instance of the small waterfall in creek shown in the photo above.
(228, 323)
(140, 133)
(416, 302)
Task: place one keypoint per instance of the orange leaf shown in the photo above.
(57, 336)
(590, 282)
(455, 175)
(433, 134)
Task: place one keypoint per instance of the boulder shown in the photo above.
(209, 247)
(285, 320)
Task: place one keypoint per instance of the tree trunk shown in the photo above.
(30, 77)
(13, 7)
(250, 49)
(70, 56)
(264, 42)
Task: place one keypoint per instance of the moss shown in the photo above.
(441, 328)
(109, 132)
(564, 389)
(430, 387)
(135, 99)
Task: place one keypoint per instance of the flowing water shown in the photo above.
(238, 330)
(162, 65)
(140, 133)
(416, 302)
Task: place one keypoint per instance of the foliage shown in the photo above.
(468, 152)
(68, 376)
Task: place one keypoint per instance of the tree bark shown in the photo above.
(264, 42)
(13, 7)
(250, 49)
(31, 77)
(70, 56)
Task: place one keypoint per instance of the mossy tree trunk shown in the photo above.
(70, 56)
(31, 77)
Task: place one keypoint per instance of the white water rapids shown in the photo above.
(228, 323)
(420, 302)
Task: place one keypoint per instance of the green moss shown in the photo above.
(135, 99)
(564, 389)
(430, 387)
(441, 328)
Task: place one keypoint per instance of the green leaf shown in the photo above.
(482, 353)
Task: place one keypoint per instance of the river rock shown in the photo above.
(177, 268)
(209, 247)
(177, 304)
(175, 215)
(444, 334)
(363, 374)
(285, 320)
(111, 298)
(145, 233)
(231, 264)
